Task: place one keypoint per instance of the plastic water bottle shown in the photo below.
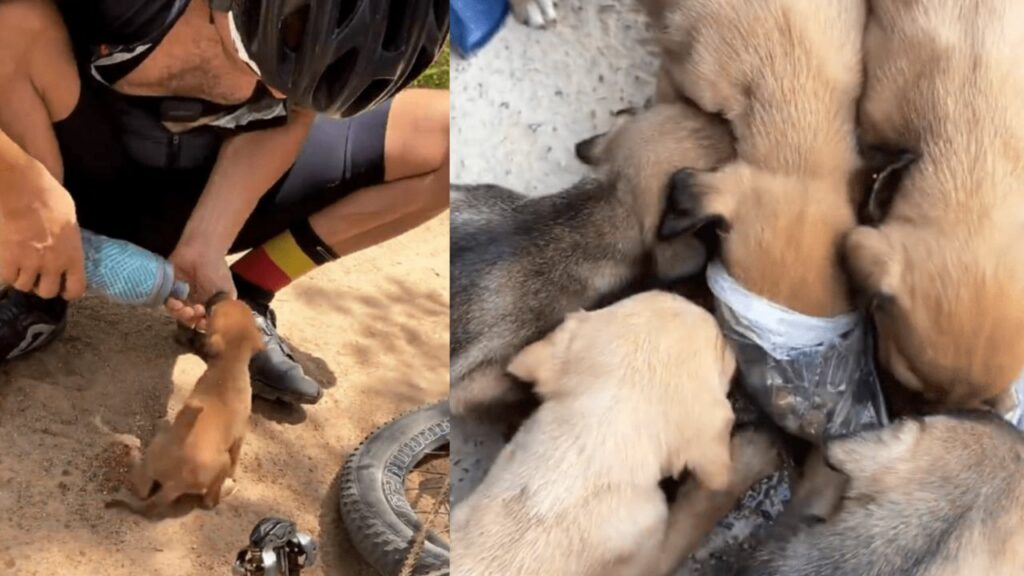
(127, 273)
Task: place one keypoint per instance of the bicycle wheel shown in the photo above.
(390, 482)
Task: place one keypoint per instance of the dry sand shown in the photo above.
(373, 329)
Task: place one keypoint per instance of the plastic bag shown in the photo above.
(814, 377)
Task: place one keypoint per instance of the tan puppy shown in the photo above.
(944, 267)
(631, 394)
(786, 74)
(197, 453)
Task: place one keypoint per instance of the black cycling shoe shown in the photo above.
(276, 375)
(28, 322)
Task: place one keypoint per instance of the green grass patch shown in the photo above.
(437, 75)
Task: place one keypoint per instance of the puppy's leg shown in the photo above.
(212, 495)
(234, 453)
(816, 496)
(697, 509)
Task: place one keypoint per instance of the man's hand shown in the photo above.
(207, 273)
(40, 242)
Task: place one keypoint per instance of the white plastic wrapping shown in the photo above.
(814, 377)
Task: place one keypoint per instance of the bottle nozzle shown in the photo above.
(179, 290)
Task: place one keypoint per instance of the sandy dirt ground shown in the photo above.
(373, 328)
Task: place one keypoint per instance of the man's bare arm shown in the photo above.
(40, 245)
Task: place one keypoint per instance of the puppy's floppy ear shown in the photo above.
(538, 363)
(592, 150)
(214, 345)
(873, 262)
(878, 181)
(698, 198)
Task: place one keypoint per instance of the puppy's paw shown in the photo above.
(228, 488)
(754, 456)
(535, 13)
(683, 207)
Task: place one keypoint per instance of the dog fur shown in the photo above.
(520, 264)
(535, 13)
(631, 393)
(786, 74)
(199, 452)
(938, 496)
(943, 97)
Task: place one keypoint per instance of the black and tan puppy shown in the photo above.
(520, 264)
(944, 267)
(938, 496)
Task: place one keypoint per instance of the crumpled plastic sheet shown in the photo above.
(815, 377)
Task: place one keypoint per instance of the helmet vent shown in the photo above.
(398, 21)
(334, 79)
(345, 12)
(371, 93)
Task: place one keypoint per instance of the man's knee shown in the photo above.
(417, 135)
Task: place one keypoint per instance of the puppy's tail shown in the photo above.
(126, 500)
(126, 439)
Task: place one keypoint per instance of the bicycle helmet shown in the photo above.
(338, 57)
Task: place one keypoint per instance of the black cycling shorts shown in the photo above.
(117, 196)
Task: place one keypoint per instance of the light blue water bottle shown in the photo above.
(127, 273)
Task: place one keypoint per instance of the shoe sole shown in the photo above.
(43, 342)
(277, 395)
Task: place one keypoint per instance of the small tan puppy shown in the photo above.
(786, 74)
(631, 393)
(944, 266)
(200, 451)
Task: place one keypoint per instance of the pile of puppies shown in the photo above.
(854, 157)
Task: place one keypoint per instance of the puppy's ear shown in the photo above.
(873, 263)
(536, 362)
(699, 198)
(878, 181)
(214, 345)
(539, 362)
(592, 150)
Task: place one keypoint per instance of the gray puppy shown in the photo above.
(520, 263)
(935, 496)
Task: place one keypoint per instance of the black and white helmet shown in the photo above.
(338, 57)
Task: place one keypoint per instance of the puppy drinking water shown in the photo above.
(520, 264)
(200, 450)
(786, 74)
(631, 393)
